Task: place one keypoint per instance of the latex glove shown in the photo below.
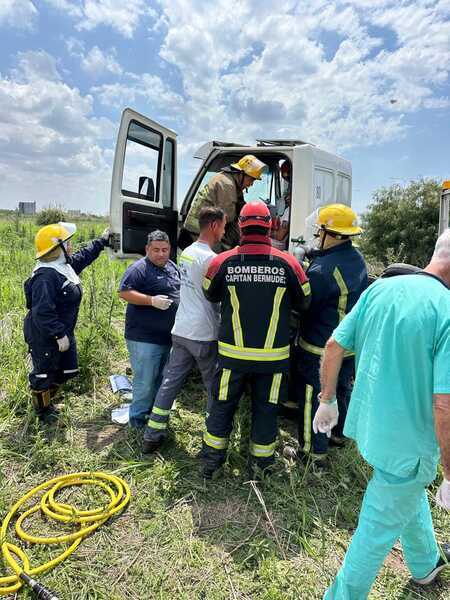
(63, 344)
(443, 495)
(105, 236)
(161, 302)
(326, 417)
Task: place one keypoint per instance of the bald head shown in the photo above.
(440, 261)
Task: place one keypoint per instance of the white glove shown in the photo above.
(326, 417)
(161, 302)
(443, 495)
(63, 344)
(105, 235)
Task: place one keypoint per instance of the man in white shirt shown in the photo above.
(195, 332)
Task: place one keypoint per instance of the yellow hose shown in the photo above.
(88, 521)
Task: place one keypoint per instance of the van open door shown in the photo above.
(143, 187)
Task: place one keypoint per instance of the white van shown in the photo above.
(143, 189)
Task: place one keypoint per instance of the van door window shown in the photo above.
(343, 189)
(263, 189)
(323, 187)
(141, 164)
(168, 178)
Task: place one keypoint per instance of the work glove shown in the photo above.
(105, 236)
(443, 495)
(161, 302)
(326, 417)
(63, 344)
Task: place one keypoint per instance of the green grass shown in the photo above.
(179, 538)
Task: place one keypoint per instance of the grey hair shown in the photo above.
(157, 236)
(442, 248)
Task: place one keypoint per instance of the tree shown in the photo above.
(402, 223)
(50, 215)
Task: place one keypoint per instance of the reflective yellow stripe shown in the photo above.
(306, 287)
(223, 386)
(156, 424)
(206, 283)
(215, 442)
(185, 257)
(307, 418)
(262, 450)
(275, 388)
(162, 412)
(317, 350)
(343, 296)
(237, 329)
(270, 337)
(261, 354)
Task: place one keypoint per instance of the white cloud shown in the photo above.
(48, 132)
(20, 14)
(122, 16)
(97, 62)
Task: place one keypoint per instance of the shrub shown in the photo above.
(50, 215)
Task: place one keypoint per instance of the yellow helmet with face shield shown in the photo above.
(250, 165)
(51, 236)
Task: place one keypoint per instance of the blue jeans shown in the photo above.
(393, 508)
(147, 362)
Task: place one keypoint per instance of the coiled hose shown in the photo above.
(88, 521)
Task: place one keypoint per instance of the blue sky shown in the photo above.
(325, 71)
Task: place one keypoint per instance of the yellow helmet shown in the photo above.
(338, 218)
(250, 165)
(51, 236)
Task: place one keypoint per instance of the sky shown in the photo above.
(366, 79)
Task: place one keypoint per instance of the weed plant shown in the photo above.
(181, 537)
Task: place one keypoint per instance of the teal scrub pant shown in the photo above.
(393, 507)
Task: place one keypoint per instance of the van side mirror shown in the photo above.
(147, 187)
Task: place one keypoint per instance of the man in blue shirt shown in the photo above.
(399, 416)
(151, 286)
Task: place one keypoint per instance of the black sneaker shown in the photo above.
(441, 564)
(337, 441)
(210, 471)
(49, 415)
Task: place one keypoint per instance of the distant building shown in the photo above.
(27, 208)
(74, 213)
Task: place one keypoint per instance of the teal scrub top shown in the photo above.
(400, 332)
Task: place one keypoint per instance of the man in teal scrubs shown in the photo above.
(399, 416)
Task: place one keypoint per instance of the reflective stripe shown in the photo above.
(261, 354)
(307, 418)
(156, 425)
(223, 387)
(41, 376)
(343, 296)
(237, 329)
(162, 412)
(270, 337)
(185, 257)
(206, 283)
(317, 350)
(306, 287)
(71, 370)
(262, 450)
(215, 442)
(275, 388)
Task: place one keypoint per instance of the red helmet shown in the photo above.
(255, 213)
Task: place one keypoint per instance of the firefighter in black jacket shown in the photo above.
(53, 295)
(257, 286)
(338, 275)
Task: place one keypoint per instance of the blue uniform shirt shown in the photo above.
(337, 276)
(400, 332)
(146, 323)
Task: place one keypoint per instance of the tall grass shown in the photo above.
(180, 538)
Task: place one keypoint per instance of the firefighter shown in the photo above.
(257, 286)
(53, 295)
(224, 190)
(338, 275)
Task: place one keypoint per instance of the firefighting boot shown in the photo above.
(43, 407)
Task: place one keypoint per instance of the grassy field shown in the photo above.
(179, 538)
